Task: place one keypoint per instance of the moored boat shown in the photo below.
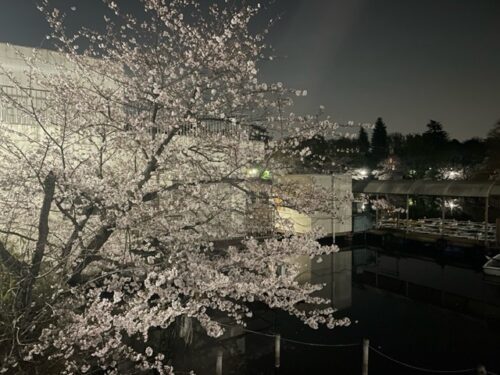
(492, 266)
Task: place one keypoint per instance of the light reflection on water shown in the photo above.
(429, 314)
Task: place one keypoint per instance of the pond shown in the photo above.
(414, 309)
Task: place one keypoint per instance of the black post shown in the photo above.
(277, 352)
(366, 350)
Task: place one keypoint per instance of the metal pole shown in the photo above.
(407, 211)
(218, 365)
(486, 217)
(277, 350)
(443, 215)
(486, 208)
(332, 255)
(333, 209)
(497, 234)
(366, 350)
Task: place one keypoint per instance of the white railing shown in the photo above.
(445, 227)
(10, 114)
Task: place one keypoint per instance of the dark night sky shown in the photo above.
(405, 60)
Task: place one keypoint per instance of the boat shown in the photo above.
(492, 266)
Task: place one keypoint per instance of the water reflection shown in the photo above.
(459, 287)
(420, 311)
(334, 270)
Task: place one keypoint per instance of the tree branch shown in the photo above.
(10, 262)
(106, 230)
(24, 294)
(90, 250)
(13, 233)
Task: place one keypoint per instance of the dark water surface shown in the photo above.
(441, 315)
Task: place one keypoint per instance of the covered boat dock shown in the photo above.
(444, 189)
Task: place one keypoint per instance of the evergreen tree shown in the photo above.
(435, 147)
(363, 142)
(493, 152)
(396, 143)
(380, 143)
(436, 134)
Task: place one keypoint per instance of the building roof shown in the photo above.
(429, 188)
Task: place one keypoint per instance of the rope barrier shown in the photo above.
(247, 330)
(290, 340)
(322, 345)
(417, 368)
(421, 368)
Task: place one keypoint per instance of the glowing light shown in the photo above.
(360, 173)
(265, 175)
(452, 204)
(452, 174)
(253, 172)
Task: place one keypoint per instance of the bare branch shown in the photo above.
(10, 262)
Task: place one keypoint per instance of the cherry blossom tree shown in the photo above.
(115, 213)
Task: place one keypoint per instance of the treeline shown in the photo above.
(430, 154)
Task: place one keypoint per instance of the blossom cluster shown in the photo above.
(145, 190)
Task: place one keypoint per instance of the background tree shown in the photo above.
(363, 142)
(433, 154)
(436, 133)
(397, 143)
(491, 168)
(472, 152)
(380, 144)
(413, 156)
(317, 155)
(435, 148)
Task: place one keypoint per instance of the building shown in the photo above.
(15, 83)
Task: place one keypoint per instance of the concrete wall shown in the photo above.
(19, 127)
(12, 60)
(340, 186)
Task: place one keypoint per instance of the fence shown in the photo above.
(366, 349)
(29, 98)
(453, 228)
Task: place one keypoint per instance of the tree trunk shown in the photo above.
(24, 294)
